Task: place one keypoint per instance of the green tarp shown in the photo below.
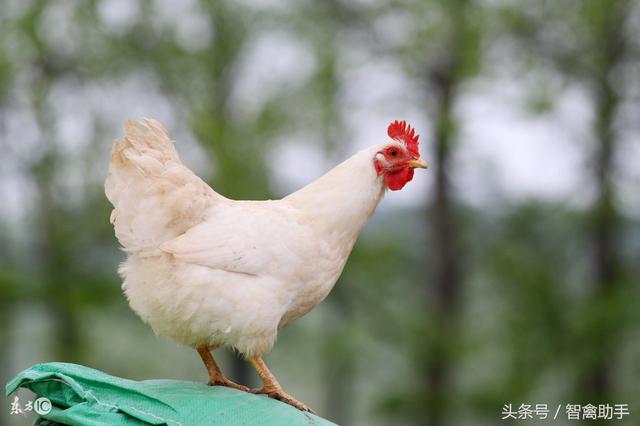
(88, 397)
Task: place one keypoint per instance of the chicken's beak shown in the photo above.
(417, 164)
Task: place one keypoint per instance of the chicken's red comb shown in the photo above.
(402, 132)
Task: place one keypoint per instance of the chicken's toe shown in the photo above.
(228, 383)
(281, 395)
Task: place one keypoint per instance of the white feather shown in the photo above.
(206, 270)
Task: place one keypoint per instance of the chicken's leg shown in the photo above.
(272, 388)
(216, 378)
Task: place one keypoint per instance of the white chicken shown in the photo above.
(211, 272)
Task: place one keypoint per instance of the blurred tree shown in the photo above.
(450, 54)
(609, 43)
(8, 273)
(455, 60)
(595, 56)
(60, 229)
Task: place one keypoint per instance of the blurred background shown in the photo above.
(508, 273)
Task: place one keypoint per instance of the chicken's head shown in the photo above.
(397, 159)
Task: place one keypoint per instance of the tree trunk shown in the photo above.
(604, 233)
(444, 286)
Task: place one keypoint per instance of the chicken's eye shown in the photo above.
(393, 152)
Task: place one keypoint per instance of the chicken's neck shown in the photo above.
(340, 202)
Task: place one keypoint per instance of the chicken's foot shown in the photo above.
(216, 378)
(272, 388)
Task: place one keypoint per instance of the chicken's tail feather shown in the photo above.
(155, 197)
(146, 146)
